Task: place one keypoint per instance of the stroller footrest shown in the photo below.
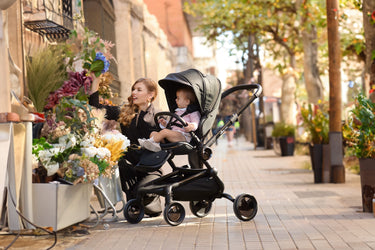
(152, 161)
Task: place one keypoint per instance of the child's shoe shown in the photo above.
(141, 141)
(151, 145)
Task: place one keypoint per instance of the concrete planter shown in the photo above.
(59, 205)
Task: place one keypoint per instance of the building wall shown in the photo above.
(100, 17)
(142, 47)
(172, 21)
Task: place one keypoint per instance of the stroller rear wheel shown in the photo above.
(245, 207)
(134, 211)
(174, 213)
(200, 208)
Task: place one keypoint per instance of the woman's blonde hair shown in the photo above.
(129, 110)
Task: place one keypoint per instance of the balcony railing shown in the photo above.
(50, 18)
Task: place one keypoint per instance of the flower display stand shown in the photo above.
(60, 205)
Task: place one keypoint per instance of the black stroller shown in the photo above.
(197, 182)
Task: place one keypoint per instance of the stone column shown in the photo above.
(4, 63)
(124, 45)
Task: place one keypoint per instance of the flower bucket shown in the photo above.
(111, 187)
(283, 146)
(60, 205)
(316, 155)
(367, 173)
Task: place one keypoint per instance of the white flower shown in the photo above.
(45, 155)
(52, 168)
(110, 136)
(87, 141)
(103, 152)
(100, 152)
(68, 140)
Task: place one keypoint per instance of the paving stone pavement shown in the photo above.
(293, 212)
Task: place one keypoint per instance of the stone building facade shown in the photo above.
(141, 47)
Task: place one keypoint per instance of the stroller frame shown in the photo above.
(200, 186)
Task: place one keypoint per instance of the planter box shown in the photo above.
(60, 205)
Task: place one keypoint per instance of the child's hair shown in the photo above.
(189, 93)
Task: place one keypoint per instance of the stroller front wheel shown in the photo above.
(200, 208)
(245, 207)
(134, 211)
(174, 213)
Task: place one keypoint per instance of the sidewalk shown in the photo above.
(293, 212)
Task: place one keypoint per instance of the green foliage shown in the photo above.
(359, 132)
(46, 72)
(75, 113)
(282, 129)
(39, 145)
(63, 156)
(102, 164)
(316, 122)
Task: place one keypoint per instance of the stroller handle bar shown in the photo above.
(243, 87)
(234, 117)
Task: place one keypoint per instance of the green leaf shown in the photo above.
(97, 66)
(86, 65)
(93, 54)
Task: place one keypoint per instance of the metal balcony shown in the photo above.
(50, 18)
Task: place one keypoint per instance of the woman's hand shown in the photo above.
(95, 82)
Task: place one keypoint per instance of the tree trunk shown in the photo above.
(369, 28)
(288, 109)
(314, 86)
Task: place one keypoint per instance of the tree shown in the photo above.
(277, 25)
(368, 8)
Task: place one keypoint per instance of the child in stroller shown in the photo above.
(185, 100)
(197, 182)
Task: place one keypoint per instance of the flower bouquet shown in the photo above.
(73, 146)
(359, 131)
(316, 122)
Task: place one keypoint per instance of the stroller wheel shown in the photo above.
(200, 208)
(245, 207)
(174, 214)
(134, 211)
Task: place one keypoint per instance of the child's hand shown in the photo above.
(189, 127)
(163, 122)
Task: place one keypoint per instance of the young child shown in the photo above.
(184, 97)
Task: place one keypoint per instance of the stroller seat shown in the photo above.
(178, 148)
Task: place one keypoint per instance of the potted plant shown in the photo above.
(283, 139)
(316, 123)
(359, 134)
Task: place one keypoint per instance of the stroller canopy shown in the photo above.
(207, 89)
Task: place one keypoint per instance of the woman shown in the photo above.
(136, 120)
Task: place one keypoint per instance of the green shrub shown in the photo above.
(281, 129)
